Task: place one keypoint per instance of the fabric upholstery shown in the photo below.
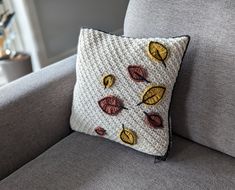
(34, 114)
(203, 101)
(97, 106)
(83, 162)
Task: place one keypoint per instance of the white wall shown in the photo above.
(60, 21)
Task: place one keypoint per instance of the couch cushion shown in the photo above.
(203, 101)
(34, 113)
(123, 88)
(84, 162)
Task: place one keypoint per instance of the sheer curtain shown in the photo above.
(29, 31)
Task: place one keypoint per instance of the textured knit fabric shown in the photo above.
(203, 107)
(89, 163)
(34, 114)
(100, 54)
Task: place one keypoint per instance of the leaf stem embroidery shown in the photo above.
(161, 59)
(149, 98)
(141, 77)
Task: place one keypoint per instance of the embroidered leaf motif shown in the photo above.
(152, 95)
(138, 73)
(128, 136)
(108, 80)
(111, 105)
(157, 52)
(153, 120)
(100, 131)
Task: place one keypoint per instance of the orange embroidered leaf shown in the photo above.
(128, 136)
(138, 73)
(108, 80)
(153, 120)
(152, 95)
(100, 131)
(157, 52)
(111, 105)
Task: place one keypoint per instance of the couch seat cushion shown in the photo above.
(83, 162)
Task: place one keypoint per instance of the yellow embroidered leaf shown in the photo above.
(157, 52)
(128, 136)
(108, 80)
(152, 95)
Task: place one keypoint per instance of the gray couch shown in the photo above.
(39, 151)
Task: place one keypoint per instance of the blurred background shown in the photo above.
(37, 33)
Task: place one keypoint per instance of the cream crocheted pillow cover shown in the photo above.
(124, 87)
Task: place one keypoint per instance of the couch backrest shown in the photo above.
(203, 104)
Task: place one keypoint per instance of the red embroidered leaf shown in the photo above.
(111, 105)
(138, 73)
(100, 131)
(153, 120)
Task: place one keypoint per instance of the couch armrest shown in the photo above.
(34, 114)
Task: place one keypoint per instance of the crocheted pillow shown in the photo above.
(124, 87)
